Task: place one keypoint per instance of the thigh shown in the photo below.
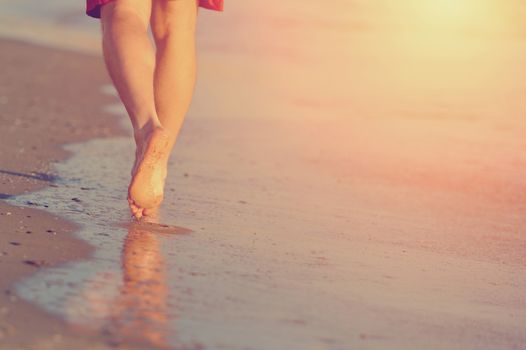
(169, 15)
(139, 9)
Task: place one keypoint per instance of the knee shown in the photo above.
(174, 18)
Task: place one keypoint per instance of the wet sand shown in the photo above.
(366, 194)
(39, 88)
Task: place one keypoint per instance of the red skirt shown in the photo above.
(93, 6)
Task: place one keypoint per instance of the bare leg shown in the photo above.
(130, 58)
(173, 26)
(156, 89)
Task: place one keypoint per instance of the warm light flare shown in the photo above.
(455, 14)
(450, 9)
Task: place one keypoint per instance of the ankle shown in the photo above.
(140, 134)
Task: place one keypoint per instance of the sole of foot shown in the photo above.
(146, 189)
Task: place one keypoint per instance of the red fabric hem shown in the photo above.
(93, 6)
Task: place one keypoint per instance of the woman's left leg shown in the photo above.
(130, 59)
(173, 26)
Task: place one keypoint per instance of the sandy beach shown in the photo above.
(349, 181)
(35, 95)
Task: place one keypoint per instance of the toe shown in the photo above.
(134, 208)
(150, 212)
(151, 215)
(138, 214)
(137, 211)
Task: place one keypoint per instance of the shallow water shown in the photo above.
(346, 178)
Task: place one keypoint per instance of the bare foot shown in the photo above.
(146, 189)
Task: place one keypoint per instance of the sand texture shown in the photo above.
(47, 98)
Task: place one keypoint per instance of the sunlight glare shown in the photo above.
(455, 14)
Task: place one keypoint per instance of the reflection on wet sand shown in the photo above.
(356, 177)
(139, 312)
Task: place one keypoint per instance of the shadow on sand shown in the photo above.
(33, 175)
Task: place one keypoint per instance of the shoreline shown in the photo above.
(384, 188)
(42, 35)
(36, 96)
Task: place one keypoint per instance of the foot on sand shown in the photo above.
(146, 189)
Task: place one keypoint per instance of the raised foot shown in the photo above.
(146, 189)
